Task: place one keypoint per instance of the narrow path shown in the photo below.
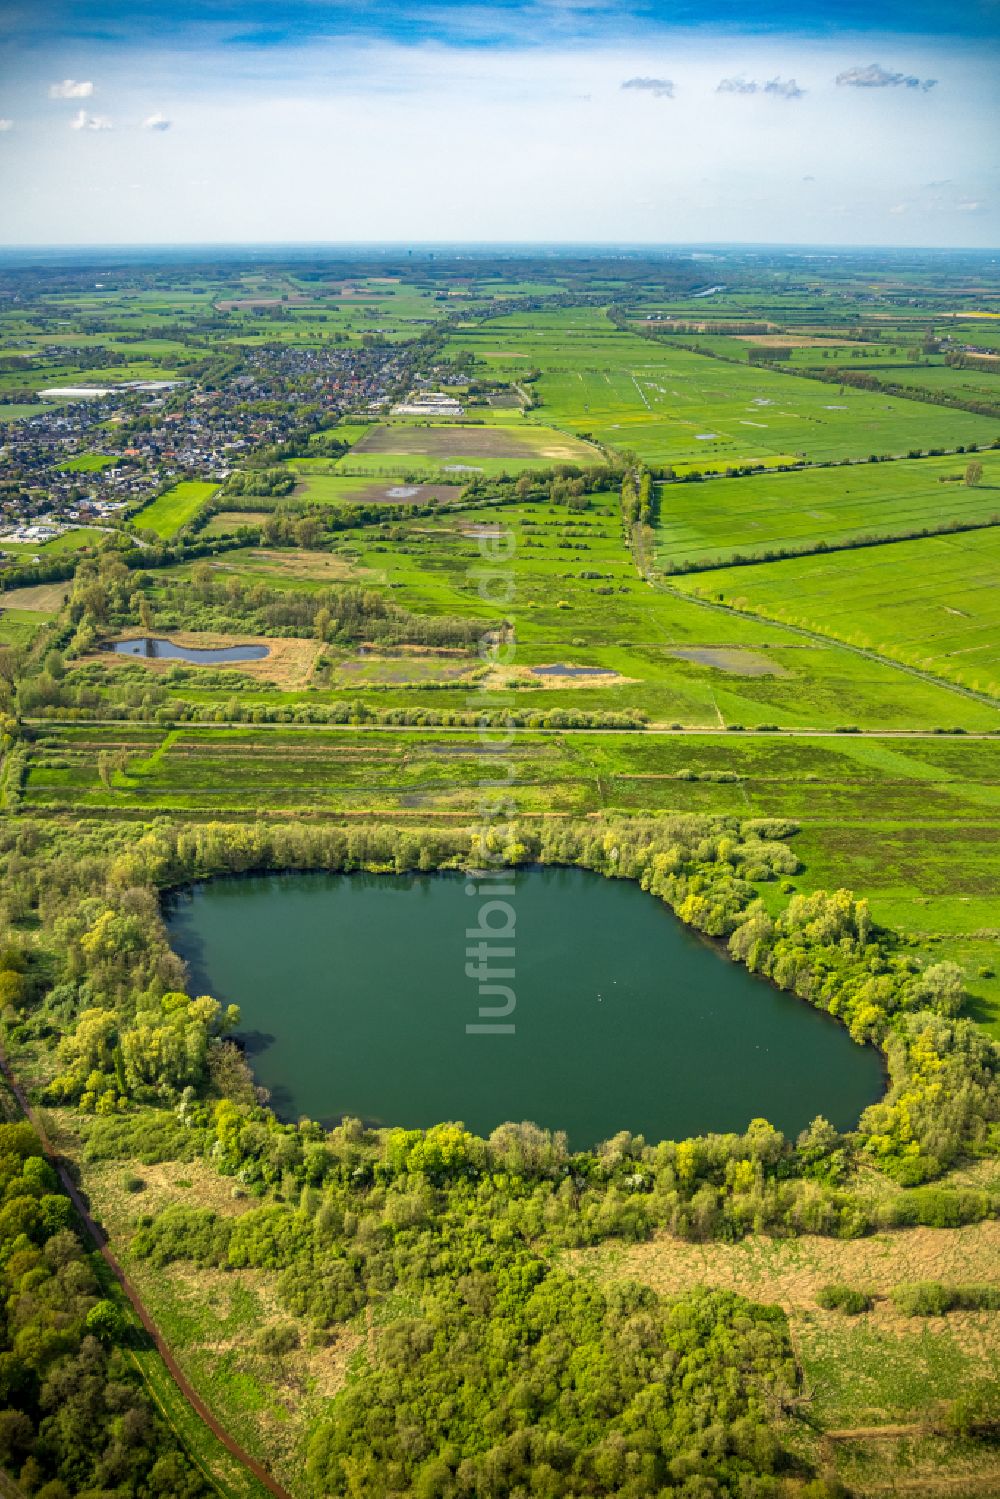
(199, 1407)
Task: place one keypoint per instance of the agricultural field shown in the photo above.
(456, 449)
(668, 404)
(175, 507)
(320, 483)
(931, 603)
(18, 627)
(830, 507)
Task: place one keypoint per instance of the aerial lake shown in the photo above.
(355, 1000)
(149, 648)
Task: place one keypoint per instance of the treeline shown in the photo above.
(769, 353)
(638, 498)
(262, 482)
(984, 364)
(94, 691)
(865, 380)
(63, 566)
(107, 596)
(639, 509)
(74, 1417)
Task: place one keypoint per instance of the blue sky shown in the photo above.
(532, 119)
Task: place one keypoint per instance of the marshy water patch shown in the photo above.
(562, 669)
(156, 648)
(734, 660)
(355, 1000)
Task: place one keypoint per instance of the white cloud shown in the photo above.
(246, 146)
(70, 89)
(84, 121)
(782, 88)
(660, 88)
(875, 76)
(6, 125)
(969, 205)
(156, 122)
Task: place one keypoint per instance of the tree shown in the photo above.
(973, 473)
(941, 985)
(105, 1322)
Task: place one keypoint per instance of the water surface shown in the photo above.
(354, 1000)
(154, 649)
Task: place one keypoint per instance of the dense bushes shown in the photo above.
(506, 1369)
(74, 1418)
(520, 1379)
(106, 595)
(929, 1298)
(840, 1298)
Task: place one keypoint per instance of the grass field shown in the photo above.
(41, 598)
(577, 600)
(709, 523)
(459, 449)
(19, 626)
(175, 507)
(931, 603)
(668, 404)
(87, 463)
(321, 484)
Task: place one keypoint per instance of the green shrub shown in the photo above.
(840, 1298)
(280, 1338)
(929, 1298)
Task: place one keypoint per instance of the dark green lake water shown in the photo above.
(354, 1000)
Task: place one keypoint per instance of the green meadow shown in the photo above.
(666, 403)
(932, 603)
(456, 450)
(87, 463)
(175, 507)
(701, 523)
(577, 600)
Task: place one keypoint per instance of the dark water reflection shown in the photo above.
(355, 1000)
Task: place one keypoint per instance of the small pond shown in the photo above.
(354, 1000)
(149, 648)
(573, 671)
